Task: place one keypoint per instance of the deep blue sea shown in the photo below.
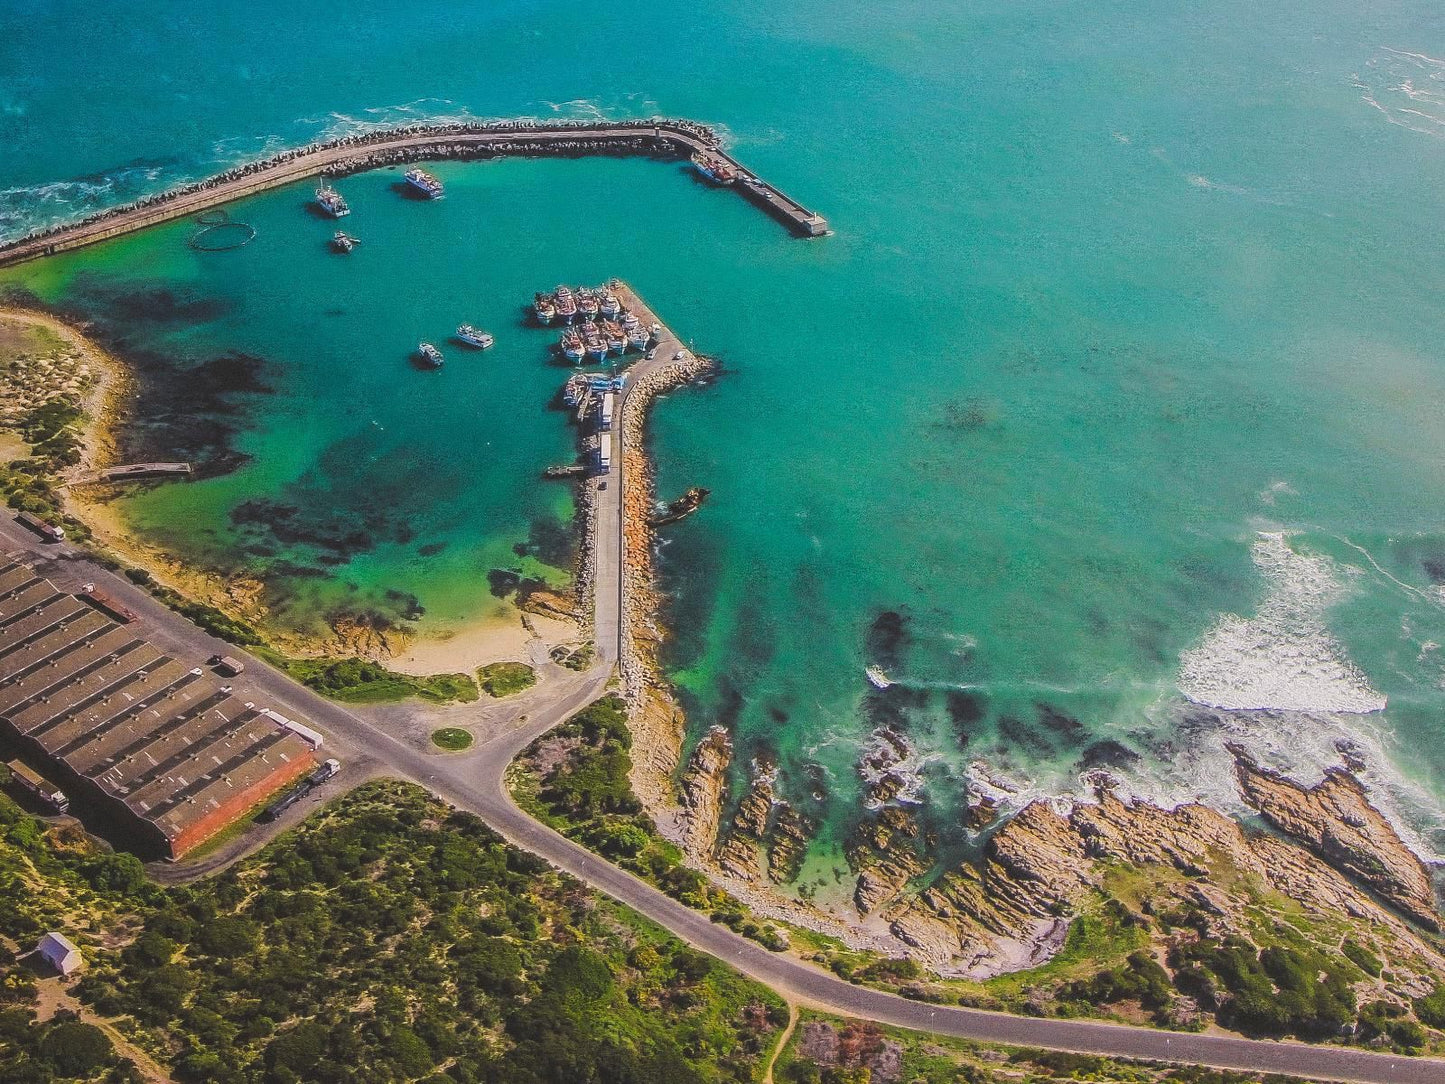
(1106, 425)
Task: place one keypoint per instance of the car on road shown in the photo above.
(677, 356)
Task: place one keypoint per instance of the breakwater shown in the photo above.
(667, 139)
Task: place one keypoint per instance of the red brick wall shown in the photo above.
(239, 802)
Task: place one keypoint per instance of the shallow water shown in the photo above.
(1120, 374)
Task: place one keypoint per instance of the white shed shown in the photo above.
(61, 953)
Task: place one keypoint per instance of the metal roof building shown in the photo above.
(163, 743)
(60, 952)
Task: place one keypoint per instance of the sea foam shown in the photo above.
(1284, 657)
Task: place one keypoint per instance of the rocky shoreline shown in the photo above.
(1328, 850)
(656, 719)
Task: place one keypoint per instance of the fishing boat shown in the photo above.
(424, 183)
(588, 305)
(343, 242)
(573, 347)
(429, 356)
(566, 303)
(475, 337)
(877, 678)
(615, 336)
(545, 308)
(637, 338)
(714, 167)
(610, 307)
(331, 201)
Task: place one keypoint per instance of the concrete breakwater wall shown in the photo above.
(665, 138)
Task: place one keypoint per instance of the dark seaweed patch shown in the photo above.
(550, 541)
(503, 582)
(887, 636)
(965, 710)
(1022, 736)
(893, 706)
(1108, 754)
(1065, 726)
(431, 549)
(407, 604)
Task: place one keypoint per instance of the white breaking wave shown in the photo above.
(1407, 88)
(1284, 658)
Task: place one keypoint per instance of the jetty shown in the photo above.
(661, 138)
(127, 471)
(615, 495)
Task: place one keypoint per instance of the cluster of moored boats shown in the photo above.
(597, 325)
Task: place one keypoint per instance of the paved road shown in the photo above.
(474, 782)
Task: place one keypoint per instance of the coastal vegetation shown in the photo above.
(388, 938)
(500, 679)
(824, 1049)
(575, 779)
(363, 681)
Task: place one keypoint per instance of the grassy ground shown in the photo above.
(506, 678)
(361, 681)
(451, 738)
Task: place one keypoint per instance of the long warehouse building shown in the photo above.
(163, 743)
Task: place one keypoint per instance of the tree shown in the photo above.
(75, 1049)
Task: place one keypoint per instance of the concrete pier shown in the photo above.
(619, 555)
(668, 139)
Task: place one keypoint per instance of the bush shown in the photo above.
(1431, 1008)
(75, 1049)
(228, 936)
(506, 678)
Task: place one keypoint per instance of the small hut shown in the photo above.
(60, 952)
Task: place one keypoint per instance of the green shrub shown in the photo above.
(75, 1049)
(1431, 1008)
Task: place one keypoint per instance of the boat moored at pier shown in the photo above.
(714, 167)
(544, 308)
(423, 182)
(573, 347)
(475, 337)
(565, 303)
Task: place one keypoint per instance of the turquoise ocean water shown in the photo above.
(1106, 425)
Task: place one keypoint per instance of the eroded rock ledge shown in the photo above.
(1011, 908)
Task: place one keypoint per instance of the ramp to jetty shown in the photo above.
(667, 139)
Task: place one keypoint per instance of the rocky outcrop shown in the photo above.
(1335, 819)
(855, 1046)
(1011, 909)
(740, 850)
(704, 792)
(549, 604)
(788, 843)
(884, 850)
